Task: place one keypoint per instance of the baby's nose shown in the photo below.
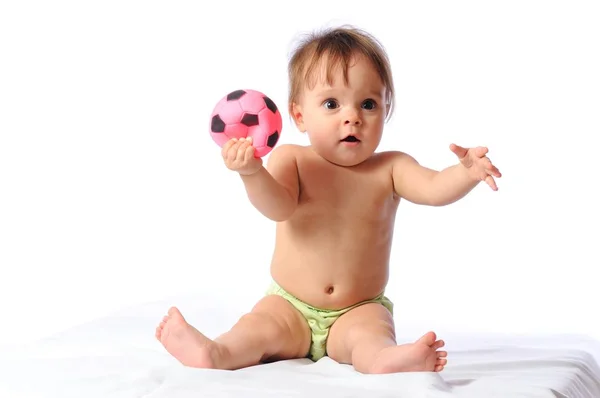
(352, 119)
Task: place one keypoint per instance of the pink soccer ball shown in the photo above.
(246, 113)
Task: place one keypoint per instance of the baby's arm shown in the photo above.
(275, 192)
(421, 185)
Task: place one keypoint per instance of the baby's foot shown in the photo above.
(420, 356)
(186, 343)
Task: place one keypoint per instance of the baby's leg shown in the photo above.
(273, 330)
(365, 337)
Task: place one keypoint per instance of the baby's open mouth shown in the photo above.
(351, 138)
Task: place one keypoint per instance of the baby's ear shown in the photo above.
(296, 111)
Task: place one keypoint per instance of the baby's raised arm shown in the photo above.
(274, 192)
(424, 186)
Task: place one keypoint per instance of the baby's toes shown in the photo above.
(160, 327)
(438, 344)
(442, 354)
(438, 368)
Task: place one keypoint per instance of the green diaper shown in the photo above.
(320, 320)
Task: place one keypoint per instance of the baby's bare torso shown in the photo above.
(335, 250)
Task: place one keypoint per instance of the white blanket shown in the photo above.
(118, 357)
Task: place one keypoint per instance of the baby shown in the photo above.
(334, 203)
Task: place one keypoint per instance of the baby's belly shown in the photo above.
(329, 274)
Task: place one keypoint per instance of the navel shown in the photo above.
(329, 290)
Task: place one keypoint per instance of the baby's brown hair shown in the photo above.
(340, 44)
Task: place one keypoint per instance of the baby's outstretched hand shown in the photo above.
(238, 155)
(478, 165)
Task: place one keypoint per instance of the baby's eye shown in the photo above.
(369, 104)
(330, 104)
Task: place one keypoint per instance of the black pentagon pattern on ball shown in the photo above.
(217, 125)
(250, 119)
(270, 104)
(235, 95)
(272, 140)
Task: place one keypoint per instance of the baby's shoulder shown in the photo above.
(388, 159)
(291, 152)
(392, 155)
(287, 150)
(283, 152)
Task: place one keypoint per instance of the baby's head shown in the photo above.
(340, 93)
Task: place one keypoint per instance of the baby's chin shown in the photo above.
(344, 158)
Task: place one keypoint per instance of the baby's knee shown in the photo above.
(268, 324)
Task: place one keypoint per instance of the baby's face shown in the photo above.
(344, 122)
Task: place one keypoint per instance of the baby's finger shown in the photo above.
(494, 172)
(233, 150)
(459, 151)
(481, 151)
(228, 146)
(242, 149)
(249, 154)
(490, 181)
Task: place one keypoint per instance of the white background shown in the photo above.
(113, 194)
